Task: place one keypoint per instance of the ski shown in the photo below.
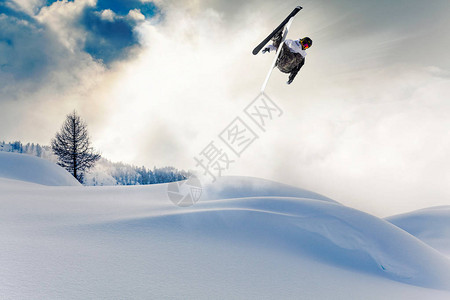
(286, 30)
(267, 39)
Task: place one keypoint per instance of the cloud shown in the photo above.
(53, 54)
(378, 144)
(51, 45)
(103, 29)
(14, 9)
(39, 37)
(29, 53)
(107, 39)
(122, 8)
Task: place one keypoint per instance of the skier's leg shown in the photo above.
(276, 39)
(284, 59)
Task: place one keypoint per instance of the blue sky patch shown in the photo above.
(107, 40)
(122, 7)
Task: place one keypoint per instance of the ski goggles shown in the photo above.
(306, 46)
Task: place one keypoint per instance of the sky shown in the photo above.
(366, 122)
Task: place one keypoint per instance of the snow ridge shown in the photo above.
(246, 238)
(34, 169)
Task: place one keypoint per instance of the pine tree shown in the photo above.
(38, 150)
(72, 147)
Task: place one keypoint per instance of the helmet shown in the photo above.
(306, 42)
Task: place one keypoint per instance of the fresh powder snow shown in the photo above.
(34, 169)
(247, 238)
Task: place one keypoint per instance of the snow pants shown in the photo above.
(288, 60)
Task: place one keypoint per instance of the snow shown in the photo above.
(247, 238)
(237, 187)
(431, 225)
(34, 169)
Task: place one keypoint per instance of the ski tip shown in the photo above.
(255, 52)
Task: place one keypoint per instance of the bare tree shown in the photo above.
(72, 146)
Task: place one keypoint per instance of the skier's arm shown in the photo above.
(295, 71)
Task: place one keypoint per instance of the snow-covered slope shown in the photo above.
(133, 243)
(238, 187)
(34, 169)
(431, 225)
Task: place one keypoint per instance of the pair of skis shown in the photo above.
(286, 23)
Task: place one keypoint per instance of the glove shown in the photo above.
(266, 50)
(289, 81)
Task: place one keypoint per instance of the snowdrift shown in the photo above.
(431, 225)
(326, 232)
(34, 169)
(238, 187)
(246, 239)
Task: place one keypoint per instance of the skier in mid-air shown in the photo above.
(292, 54)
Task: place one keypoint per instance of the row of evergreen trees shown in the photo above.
(32, 149)
(105, 172)
(141, 175)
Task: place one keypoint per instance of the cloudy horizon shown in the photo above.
(365, 122)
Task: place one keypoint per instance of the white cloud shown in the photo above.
(62, 18)
(108, 15)
(136, 15)
(29, 6)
